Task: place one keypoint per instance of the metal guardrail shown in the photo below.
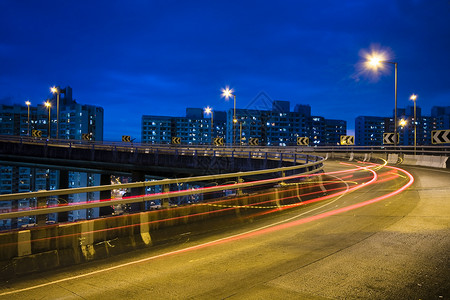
(312, 164)
(293, 154)
(274, 150)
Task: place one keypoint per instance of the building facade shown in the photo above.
(74, 120)
(277, 126)
(194, 129)
(369, 130)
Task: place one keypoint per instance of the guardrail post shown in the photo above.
(137, 176)
(41, 202)
(23, 243)
(165, 201)
(63, 199)
(295, 159)
(105, 179)
(238, 190)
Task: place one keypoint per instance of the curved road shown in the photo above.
(358, 245)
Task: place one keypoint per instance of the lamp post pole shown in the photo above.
(227, 92)
(48, 105)
(28, 103)
(208, 111)
(57, 91)
(395, 110)
(374, 62)
(413, 98)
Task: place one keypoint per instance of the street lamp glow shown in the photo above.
(375, 59)
(28, 103)
(53, 89)
(227, 92)
(208, 110)
(413, 97)
(47, 104)
(403, 122)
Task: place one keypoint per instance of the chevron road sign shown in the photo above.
(347, 140)
(176, 140)
(218, 141)
(86, 136)
(126, 138)
(440, 136)
(36, 133)
(253, 141)
(302, 141)
(389, 138)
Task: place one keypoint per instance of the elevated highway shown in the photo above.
(386, 239)
(363, 229)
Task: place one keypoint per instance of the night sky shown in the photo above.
(159, 57)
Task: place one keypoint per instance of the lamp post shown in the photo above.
(227, 93)
(28, 103)
(56, 90)
(374, 63)
(208, 111)
(48, 105)
(414, 98)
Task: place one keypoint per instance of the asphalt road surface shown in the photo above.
(367, 243)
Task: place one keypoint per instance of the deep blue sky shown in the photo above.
(159, 57)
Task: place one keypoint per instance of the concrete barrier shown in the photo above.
(392, 158)
(409, 160)
(430, 161)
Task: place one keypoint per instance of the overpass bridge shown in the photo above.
(247, 197)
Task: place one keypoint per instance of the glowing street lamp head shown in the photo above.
(374, 60)
(403, 122)
(27, 103)
(54, 89)
(208, 110)
(48, 104)
(413, 97)
(227, 92)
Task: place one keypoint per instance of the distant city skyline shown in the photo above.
(158, 58)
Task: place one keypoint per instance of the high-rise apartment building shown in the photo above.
(74, 120)
(369, 130)
(194, 129)
(277, 126)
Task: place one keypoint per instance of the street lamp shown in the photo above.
(403, 122)
(227, 93)
(28, 103)
(414, 98)
(48, 105)
(56, 90)
(208, 111)
(374, 62)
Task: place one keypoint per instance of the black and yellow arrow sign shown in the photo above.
(347, 140)
(36, 133)
(440, 136)
(86, 136)
(176, 140)
(126, 138)
(389, 138)
(218, 141)
(253, 141)
(302, 141)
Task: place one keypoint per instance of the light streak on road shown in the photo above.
(288, 223)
